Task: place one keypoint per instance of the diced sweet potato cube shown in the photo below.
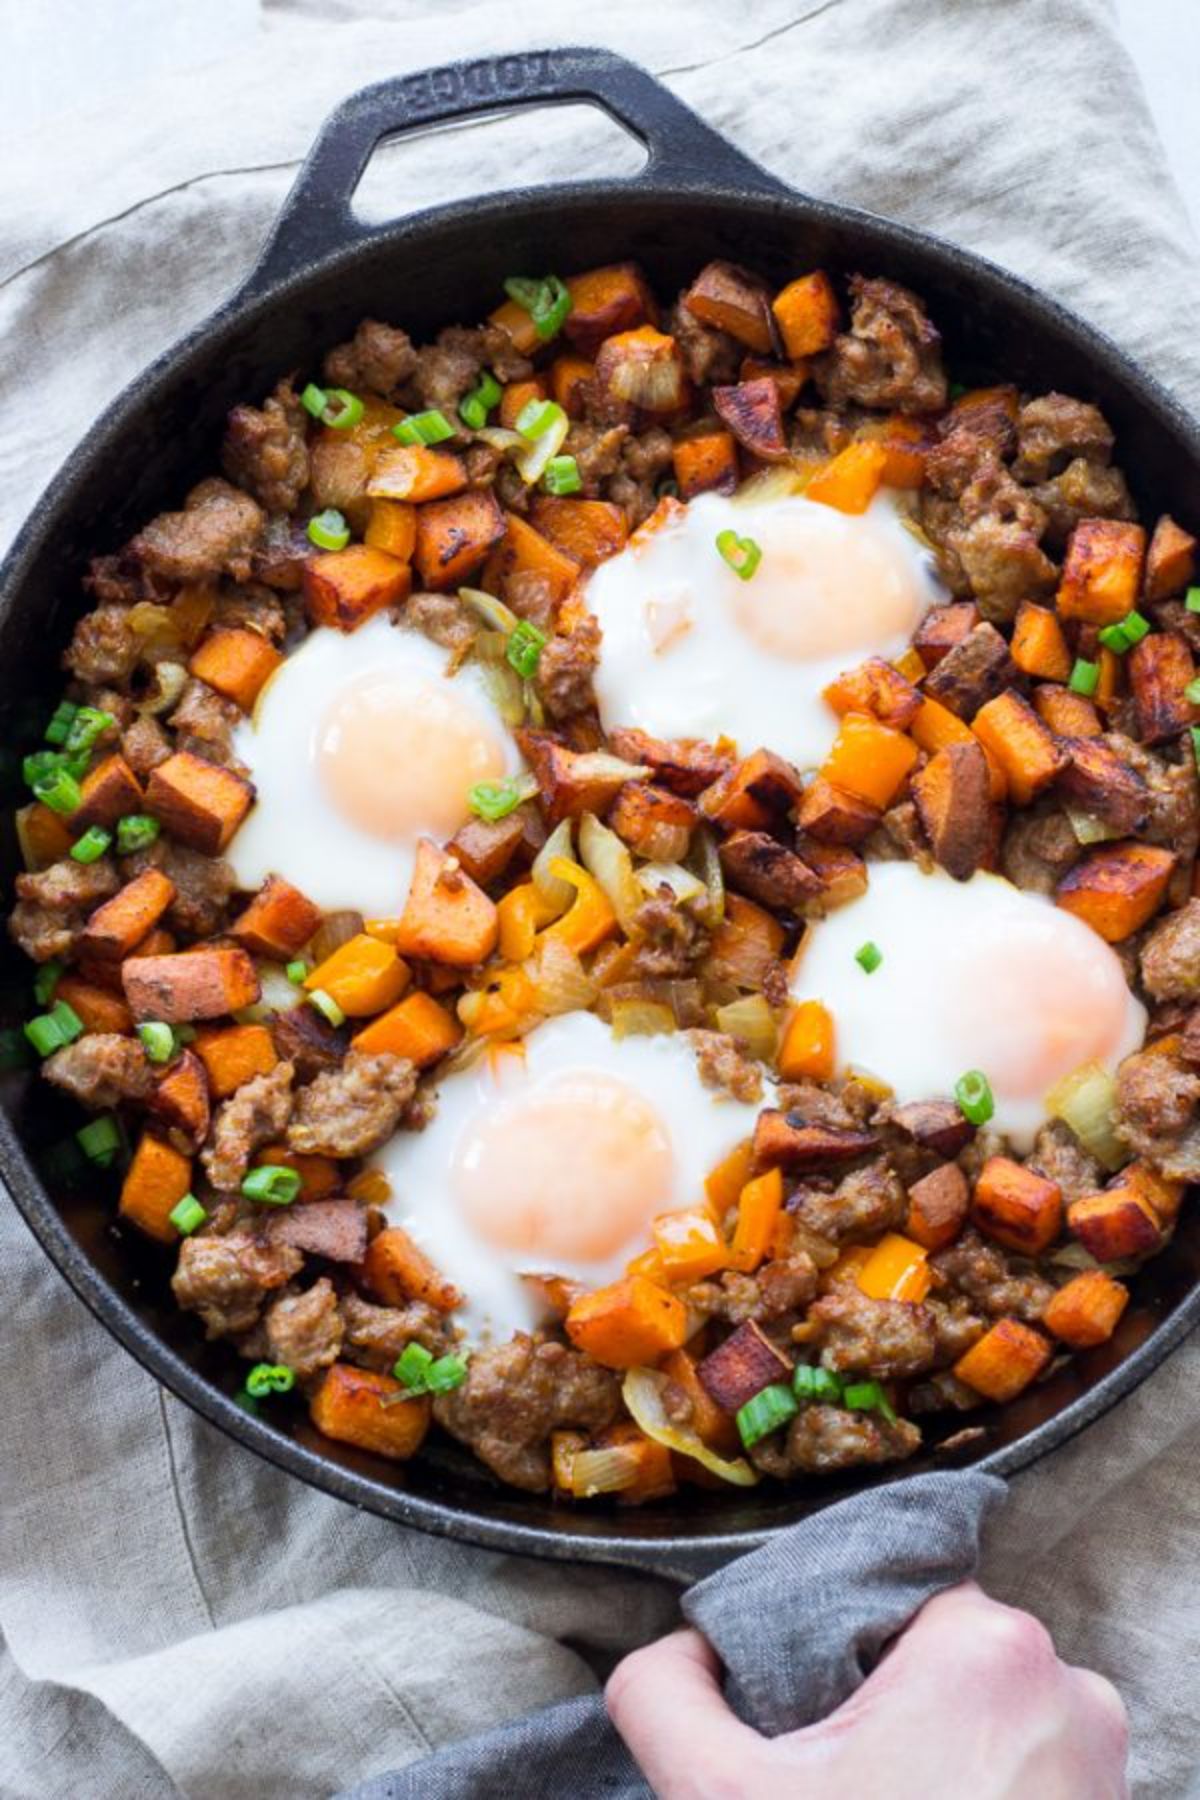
(1018, 1207)
(569, 378)
(1164, 1195)
(574, 781)
(320, 1176)
(869, 759)
(685, 765)
(446, 917)
(344, 588)
(181, 1097)
(643, 368)
(397, 1270)
(753, 793)
(363, 976)
(1021, 743)
(392, 528)
(418, 1027)
(757, 864)
(44, 837)
(516, 398)
(789, 377)
(517, 321)
(120, 924)
(1115, 1224)
(522, 552)
(942, 629)
(96, 1008)
(1004, 1360)
(604, 301)
(741, 1367)
(1102, 572)
(629, 1323)
(588, 531)
(937, 1206)
(711, 1423)
(653, 821)
(109, 791)
(875, 687)
(1038, 645)
(745, 946)
(935, 1125)
(1161, 668)
(729, 298)
(197, 802)
(752, 411)
(278, 921)
(806, 312)
(192, 984)
(1085, 1312)
(1102, 784)
(833, 816)
(787, 1140)
(905, 445)
(705, 463)
(1170, 560)
(1070, 715)
(952, 795)
(454, 537)
(364, 1408)
(416, 472)
(157, 1179)
(1117, 888)
(233, 1055)
(486, 847)
(236, 663)
(851, 481)
(841, 872)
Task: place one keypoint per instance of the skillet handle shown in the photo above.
(317, 217)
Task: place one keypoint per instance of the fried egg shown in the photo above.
(974, 975)
(360, 745)
(554, 1158)
(691, 650)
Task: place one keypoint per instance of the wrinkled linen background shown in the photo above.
(177, 1617)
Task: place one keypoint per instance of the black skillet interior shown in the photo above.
(321, 272)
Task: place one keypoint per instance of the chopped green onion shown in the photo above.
(1084, 676)
(270, 1378)
(346, 412)
(136, 832)
(765, 1413)
(14, 1050)
(973, 1092)
(493, 800)
(562, 476)
(537, 416)
(1192, 599)
(868, 1396)
(59, 791)
(60, 722)
(100, 1139)
(1192, 692)
(92, 845)
(412, 1366)
(50, 1031)
(297, 971)
(88, 724)
(524, 648)
(474, 407)
(1135, 627)
(273, 1184)
(447, 1373)
(418, 1373)
(1196, 744)
(1113, 638)
(809, 1383)
(187, 1216)
(328, 530)
(741, 553)
(546, 301)
(158, 1040)
(45, 982)
(868, 957)
(41, 764)
(327, 1006)
(432, 427)
(313, 399)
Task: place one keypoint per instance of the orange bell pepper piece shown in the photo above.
(897, 1269)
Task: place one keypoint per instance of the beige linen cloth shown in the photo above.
(177, 1617)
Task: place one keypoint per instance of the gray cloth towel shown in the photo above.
(798, 1625)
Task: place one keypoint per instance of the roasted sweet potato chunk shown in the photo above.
(833, 816)
(588, 531)
(344, 588)
(574, 781)
(1100, 783)
(851, 481)
(632, 1322)
(643, 368)
(189, 985)
(278, 921)
(96, 1008)
(392, 528)
(653, 821)
(875, 687)
(197, 802)
(1021, 743)
(603, 301)
(1161, 668)
(753, 793)
(741, 1367)
(685, 765)
(366, 1409)
(447, 917)
(486, 847)
(157, 1179)
(729, 298)
(952, 795)
(789, 378)
(935, 1125)
(942, 628)
(937, 1207)
(787, 1140)
(971, 672)
(841, 872)
(806, 312)
(705, 463)
(1117, 888)
(1004, 1360)
(745, 946)
(757, 864)
(109, 791)
(1086, 1311)
(869, 759)
(417, 1027)
(181, 1097)
(120, 924)
(455, 536)
(1038, 645)
(1070, 715)
(521, 552)
(569, 379)
(397, 1270)
(1115, 1224)
(1018, 1207)
(1102, 573)
(752, 412)
(235, 663)
(416, 472)
(1170, 560)
(233, 1055)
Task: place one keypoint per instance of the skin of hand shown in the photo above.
(971, 1699)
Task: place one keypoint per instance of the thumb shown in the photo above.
(667, 1704)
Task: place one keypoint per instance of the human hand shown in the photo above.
(971, 1699)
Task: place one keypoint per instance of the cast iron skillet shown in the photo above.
(321, 271)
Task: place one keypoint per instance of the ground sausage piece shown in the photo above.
(708, 355)
(227, 1279)
(1084, 490)
(1038, 848)
(778, 1288)
(52, 906)
(377, 1335)
(824, 1439)
(144, 745)
(1061, 1158)
(645, 459)
(892, 355)
(304, 1039)
(671, 940)
(214, 535)
(203, 884)
(1157, 1096)
(254, 1116)
(444, 619)
(995, 535)
(104, 646)
(101, 1070)
(566, 667)
(956, 1327)
(206, 721)
(597, 452)
(447, 369)
(379, 358)
(265, 450)
(889, 1339)
(305, 1330)
(352, 1109)
(982, 1273)
(864, 1204)
(1053, 430)
(723, 1064)
(1171, 956)
(517, 1394)
(253, 607)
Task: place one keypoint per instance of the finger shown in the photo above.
(1105, 1708)
(667, 1704)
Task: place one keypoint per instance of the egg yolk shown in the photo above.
(569, 1171)
(827, 583)
(397, 754)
